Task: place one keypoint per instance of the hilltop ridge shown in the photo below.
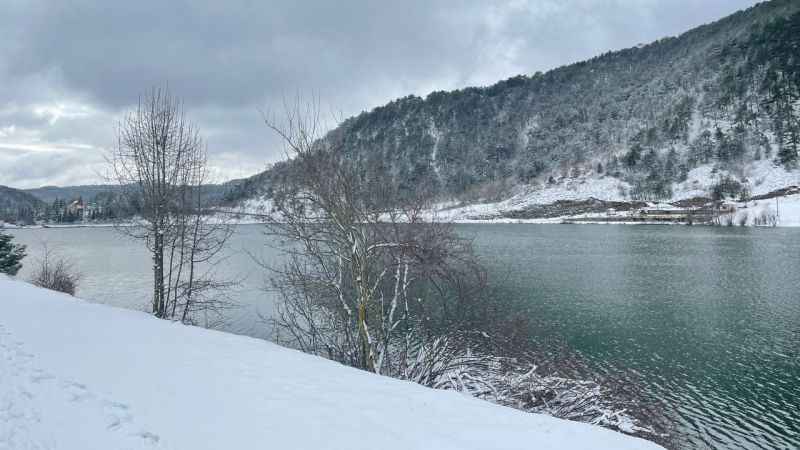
(660, 122)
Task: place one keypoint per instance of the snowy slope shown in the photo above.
(604, 188)
(785, 210)
(79, 376)
(760, 177)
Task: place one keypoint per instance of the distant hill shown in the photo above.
(17, 205)
(49, 194)
(48, 203)
(653, 122)
(213, 192)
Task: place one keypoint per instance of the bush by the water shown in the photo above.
(55, 273)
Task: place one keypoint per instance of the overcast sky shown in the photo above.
(69, 69)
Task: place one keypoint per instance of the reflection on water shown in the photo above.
(707, 318)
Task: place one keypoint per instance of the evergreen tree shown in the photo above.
(650, 161)
(683, 172)
(702, 149)
(671, 165)
(10, 255)
(633, 156)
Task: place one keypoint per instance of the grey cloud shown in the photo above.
(58, 167)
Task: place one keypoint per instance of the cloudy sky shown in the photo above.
(68, 70)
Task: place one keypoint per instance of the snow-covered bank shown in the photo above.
(76, 375)
(759, 178)
(780, 211)
(785, 210)
(63, 225)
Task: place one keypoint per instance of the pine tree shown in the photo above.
(633, 156)
(10, 255)
(671, 165)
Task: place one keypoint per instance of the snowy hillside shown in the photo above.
(760, 177)
(650, 123)
(81, 376)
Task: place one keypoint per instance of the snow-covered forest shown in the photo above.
(630, 124)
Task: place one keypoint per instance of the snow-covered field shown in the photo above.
(785, 210)
(81, 376)
(760, 177)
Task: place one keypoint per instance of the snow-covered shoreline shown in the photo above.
(71, 225)
(759, 177)
(77, 375)
(785, 210)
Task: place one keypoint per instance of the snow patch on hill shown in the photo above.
(760, 177)
(784, 210)
(581, 188)
(76, 376)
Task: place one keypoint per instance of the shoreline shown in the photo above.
(118, 409)
(779, 211)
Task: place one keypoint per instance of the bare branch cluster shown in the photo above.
(55, 273)
(452, 363)
(161, 164)
(371, 279)
(368, 275)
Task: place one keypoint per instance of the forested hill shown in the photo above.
(725, 94)
(17, 205)
(51, 204)
(212, 192)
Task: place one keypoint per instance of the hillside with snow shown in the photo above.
(712, 113)
(80, 376)
(760, 178)
(529, 202)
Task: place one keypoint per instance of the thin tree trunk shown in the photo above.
(190, 286)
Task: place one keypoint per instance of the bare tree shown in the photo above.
(55, 272)
(161, 164)
(368, 272)
(371, 279)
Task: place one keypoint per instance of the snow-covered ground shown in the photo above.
(81, 376)
(760, 177)
(603, 188)
(64, 225)
(785, 210)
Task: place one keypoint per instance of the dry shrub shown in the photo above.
(56, 273)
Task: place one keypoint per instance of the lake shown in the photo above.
(708, 319)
